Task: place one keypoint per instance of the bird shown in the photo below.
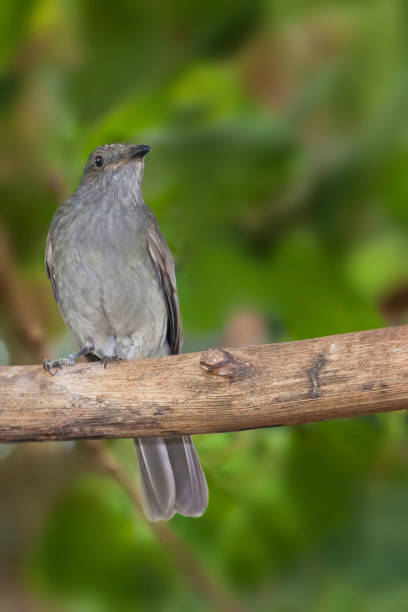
(112, 274)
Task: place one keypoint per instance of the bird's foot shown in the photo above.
(57, 364)
(110, 359)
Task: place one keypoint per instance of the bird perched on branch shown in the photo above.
(113, 278)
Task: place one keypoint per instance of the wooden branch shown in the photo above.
(191, 567)
(19, 307)
(246, 388)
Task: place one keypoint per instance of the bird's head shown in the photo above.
(113, 161)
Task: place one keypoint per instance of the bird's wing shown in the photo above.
(49, 265)
(163, 262)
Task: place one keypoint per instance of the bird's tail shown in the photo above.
(172, 478)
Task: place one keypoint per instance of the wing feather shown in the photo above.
(163, 261)
(49, 265)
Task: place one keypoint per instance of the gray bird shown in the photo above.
(113, 277)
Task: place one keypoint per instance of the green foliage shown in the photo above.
(93, 549)
(278, 175)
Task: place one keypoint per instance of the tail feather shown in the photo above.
(172, 478)
(158, 485)
(191, 487)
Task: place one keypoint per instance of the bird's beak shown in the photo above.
(139, 151)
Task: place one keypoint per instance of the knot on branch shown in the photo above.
(219, 362)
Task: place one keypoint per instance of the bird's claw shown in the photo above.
(106, 360)
(57, 364)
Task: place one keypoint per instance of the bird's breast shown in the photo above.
(107, 284)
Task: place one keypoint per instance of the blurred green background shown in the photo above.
(278, 173)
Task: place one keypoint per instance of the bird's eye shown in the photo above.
(99, 161)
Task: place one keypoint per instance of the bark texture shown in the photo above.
(219, 390)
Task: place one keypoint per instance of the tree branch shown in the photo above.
(14, 296)
(245, 388)
(189, 564)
